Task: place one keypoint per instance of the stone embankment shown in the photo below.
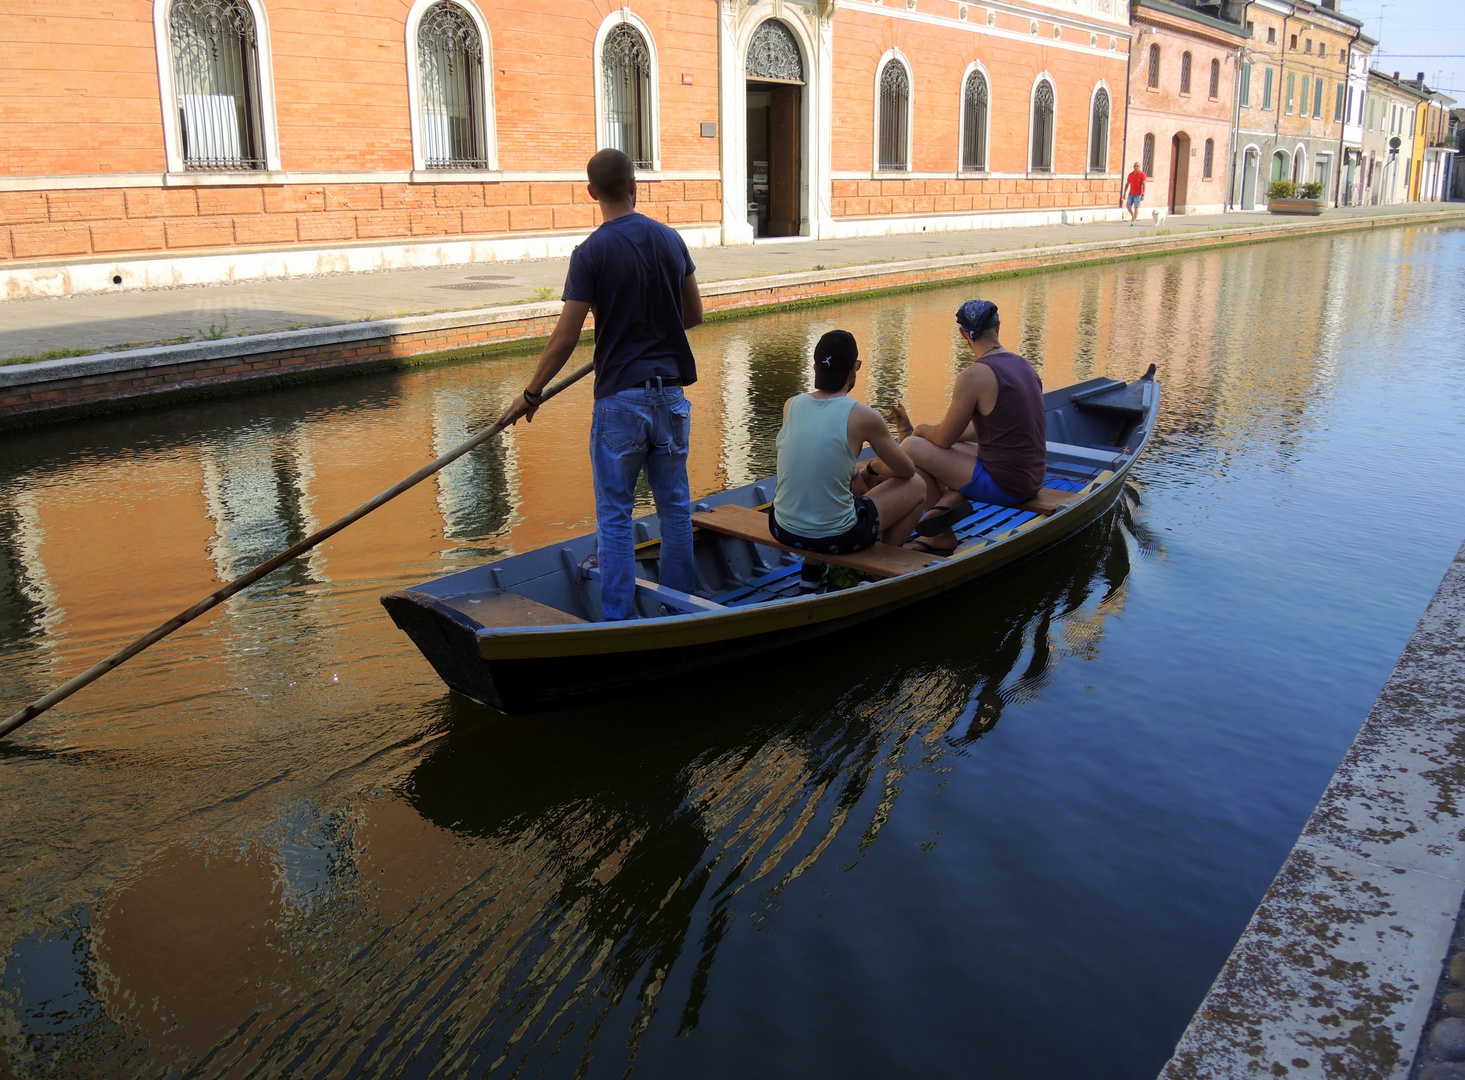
(1336, 975)
(51, 389)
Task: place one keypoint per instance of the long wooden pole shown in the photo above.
(152, 637)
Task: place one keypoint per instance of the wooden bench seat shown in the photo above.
(500, 609)
(1050, 501)
(881, 561)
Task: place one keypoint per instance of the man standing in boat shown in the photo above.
(637, 276)
(991, 447)
(815, 507)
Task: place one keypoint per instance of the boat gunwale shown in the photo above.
(774, 615)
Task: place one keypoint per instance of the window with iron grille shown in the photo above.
(216, 81)
(1209, 162)
(1147, 159)
(1215, 79)
(1154, 67)
(625, 63)
(450, 82)
(1185, 61)
(974, 122)
(1043, 127)
(894, 118)
(1099, 134)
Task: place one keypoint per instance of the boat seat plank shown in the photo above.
(743, 523)
(753, 585)
(504, 609)
(672, 598)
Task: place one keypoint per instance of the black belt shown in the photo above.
(663, 380)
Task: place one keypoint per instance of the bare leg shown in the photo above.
(901, 503)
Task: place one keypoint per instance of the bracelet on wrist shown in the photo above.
(533, 397)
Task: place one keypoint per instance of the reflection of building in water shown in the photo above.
(475, 493)
(554, 892)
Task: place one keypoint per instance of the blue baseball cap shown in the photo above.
(976, 317)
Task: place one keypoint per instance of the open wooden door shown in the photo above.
(784, 159)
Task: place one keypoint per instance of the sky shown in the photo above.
(1415, 36)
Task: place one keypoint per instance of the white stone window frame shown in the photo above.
(1052, 169)
(609, 23)
(895, 56)
(1089, 170)
(173, 138)
(488, 129)
(981, 69)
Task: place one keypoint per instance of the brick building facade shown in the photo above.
(174, 141)
(1181, 104)
(1295, 96)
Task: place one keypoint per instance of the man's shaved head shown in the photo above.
(610, 173)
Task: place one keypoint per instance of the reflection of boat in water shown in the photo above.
(543, 895)
(525, 632)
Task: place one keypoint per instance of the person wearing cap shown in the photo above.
(638, 278)
(991, 447)
(815, 507)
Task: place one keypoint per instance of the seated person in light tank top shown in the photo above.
(815, 507)
(991, 447)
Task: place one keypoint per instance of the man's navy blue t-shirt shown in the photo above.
(630, 271)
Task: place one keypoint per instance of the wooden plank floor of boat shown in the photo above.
(509, 609)
(743, 523)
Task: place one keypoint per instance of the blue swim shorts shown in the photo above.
(985, 490)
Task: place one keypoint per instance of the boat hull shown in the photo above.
(519, 669)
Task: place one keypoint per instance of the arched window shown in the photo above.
(894, 118)
(450, 84)
(774, 54)
(1099, 133)
(1210, 160)
(1043, 127)
(1154, 67)
(626, 67)
(1185, 73)
(216, 83)
(974, 97)
(1215, 79)
(1147, 159)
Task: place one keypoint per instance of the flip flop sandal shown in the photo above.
(943, 518)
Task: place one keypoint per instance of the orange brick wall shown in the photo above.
(36, 225)
(80, 93)
(860, 198)
(939, 57)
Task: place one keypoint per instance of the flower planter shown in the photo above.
(1311, 207)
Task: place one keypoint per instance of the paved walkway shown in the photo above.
(73, 325)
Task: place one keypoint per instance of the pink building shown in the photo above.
(1181, 104)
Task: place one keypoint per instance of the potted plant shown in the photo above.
(1285, 197)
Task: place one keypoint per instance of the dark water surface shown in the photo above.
(1013, 833)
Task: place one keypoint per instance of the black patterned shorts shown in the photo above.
(864, 533)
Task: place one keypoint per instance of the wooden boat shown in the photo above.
(525, 633)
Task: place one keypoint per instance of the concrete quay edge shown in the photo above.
(1335, 974)
(71, 385)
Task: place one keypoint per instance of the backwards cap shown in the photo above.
(976, 317)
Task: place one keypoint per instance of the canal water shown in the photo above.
(1012, 833)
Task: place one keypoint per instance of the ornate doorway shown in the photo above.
(775, 103)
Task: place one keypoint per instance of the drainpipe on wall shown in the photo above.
(1281, 96)
(1128, 101)
(1343, 129)
(1231, 199)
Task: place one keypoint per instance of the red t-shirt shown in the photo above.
(1136, 182)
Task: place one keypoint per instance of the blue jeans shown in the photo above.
(631, 430)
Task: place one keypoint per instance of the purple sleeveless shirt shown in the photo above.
(1013, 437)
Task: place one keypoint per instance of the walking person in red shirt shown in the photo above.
(1135, 181)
